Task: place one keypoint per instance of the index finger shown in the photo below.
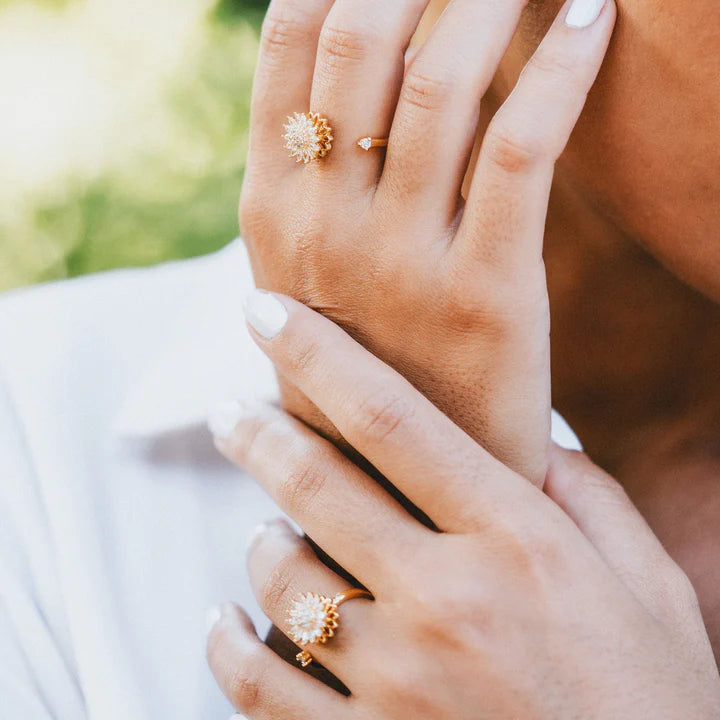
(434, 463)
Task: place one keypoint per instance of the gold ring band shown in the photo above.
(366, 143)
(313, 619)
(308, 136)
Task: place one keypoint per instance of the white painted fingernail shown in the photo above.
(265, 313)
(563, 435)
(211, 618)
(584, 13)
(238, 716)
(225, 418)
(277, 524)
(259, 530)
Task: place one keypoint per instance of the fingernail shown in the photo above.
(211, 618)
(238, 716)
(259, 530)
(584, 13)
(562, 434)
(225, 418)
(265, 313)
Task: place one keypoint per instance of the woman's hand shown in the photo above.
(450, 293)
(524, 605)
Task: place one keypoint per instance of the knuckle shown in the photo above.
(499, 303)
(246, 684)
(304, 358)
(281, 32)
(679, 588)
(426, 92)
(246, 212)
(342, 46)
(554, 66)
(241, 676)
(509, 150)
(402, 689)
(546, 552)
(429, 607)
(605, 490)
(253, 443)
(303, 483)
(253, 214)
(479, 311)
(533, 550)
(672, 593)
(381, 414)
(593, 478)
(447, 616)
(277, 584)
(400, 685)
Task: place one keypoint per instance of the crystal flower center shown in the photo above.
(307, 619)
(302, 138)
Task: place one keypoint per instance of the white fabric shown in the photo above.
(119, 523)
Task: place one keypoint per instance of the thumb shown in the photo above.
(602, 510)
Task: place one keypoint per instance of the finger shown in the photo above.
(437, 116)
(421, 451)
(342, 509)
(283, 568)
(600, 507)
(283, 79)
(357, 80)
(504, 219)
(257, 682)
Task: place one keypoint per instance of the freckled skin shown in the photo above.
(633, 258)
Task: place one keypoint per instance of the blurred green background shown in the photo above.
(123, 131)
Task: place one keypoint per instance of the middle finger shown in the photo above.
(437, 117)
(359, 71)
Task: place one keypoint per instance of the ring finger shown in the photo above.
(282, 568)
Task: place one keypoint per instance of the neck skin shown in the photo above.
(635, 351)
(636, 372)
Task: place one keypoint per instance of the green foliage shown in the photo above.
(243, 10)
(174, 199)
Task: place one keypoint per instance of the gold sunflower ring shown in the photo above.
(308, 136)
(313, 619)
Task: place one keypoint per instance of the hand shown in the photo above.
(450, 293)
(524, 605)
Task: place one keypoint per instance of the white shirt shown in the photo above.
(119, 522)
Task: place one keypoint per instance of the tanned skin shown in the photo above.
(632, 252)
